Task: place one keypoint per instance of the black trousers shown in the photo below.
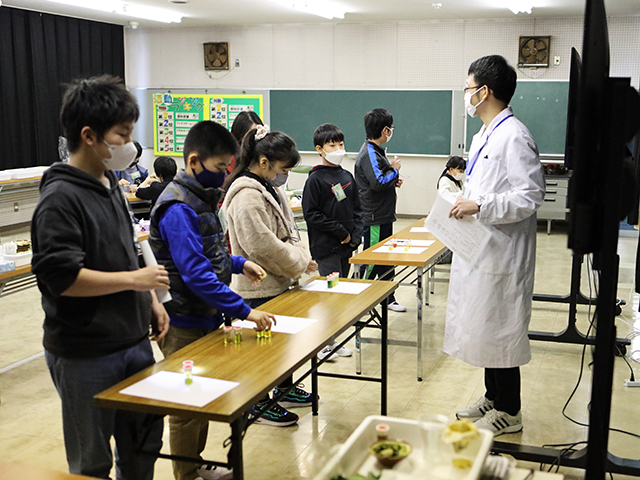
(503, 388)
(334, 263)
(372, 235)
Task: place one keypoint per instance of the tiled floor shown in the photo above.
(30, 424)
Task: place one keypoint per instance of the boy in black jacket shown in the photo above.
(98, 304)
(331, 208)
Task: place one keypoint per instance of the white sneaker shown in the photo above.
(341, 352)
(211, 472)
(476, 411)
(396, 307)
(500, 422)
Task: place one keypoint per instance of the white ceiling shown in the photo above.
(202, 13)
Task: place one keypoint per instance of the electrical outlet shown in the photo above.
(556, 60)
(16, 207)
(632, 383)
(237, 62)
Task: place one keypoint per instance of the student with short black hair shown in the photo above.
(377, 178)
(331, 207)
(135, 173)
(188, 238)
(98, 304)
(489, 303)
(165, 169)
(261, 228)
(452, 176)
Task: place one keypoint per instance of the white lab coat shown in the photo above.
(445, 184)
(489, 303)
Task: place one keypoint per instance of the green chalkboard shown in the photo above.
(542, 107)
(422, 119)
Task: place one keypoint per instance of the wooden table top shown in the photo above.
(368, 257)
(133, 199)
(20, 180)
(11, 471)
(257, 365)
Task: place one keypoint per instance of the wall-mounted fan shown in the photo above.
(216, 56)
(534, 52)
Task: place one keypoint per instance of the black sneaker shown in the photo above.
(276, 416)
(295, 398)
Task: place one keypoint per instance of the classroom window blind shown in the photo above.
(39, 55)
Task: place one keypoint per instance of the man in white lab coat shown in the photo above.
(489, 304)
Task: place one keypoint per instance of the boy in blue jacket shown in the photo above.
(331, 207)
(188, 238)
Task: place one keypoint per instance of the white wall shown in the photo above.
(397, 55)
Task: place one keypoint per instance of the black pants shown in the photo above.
(372, 235)
(503, 388)
(334, 263)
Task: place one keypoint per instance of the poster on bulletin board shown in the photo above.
(175, 114)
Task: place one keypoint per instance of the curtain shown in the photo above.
(39, 55)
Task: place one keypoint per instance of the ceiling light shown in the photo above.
(126, 9)
(315, 7)
(437, 6)
(517, 6)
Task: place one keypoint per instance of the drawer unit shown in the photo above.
(554, 206)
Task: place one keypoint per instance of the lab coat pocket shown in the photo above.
(498, 257)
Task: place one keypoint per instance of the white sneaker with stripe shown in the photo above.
(500, 422)
(476, 411)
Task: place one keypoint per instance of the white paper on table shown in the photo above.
(411, 251)
(284, 324)
(466, 237)
(352, 288)
(150, 259)
(171, 387)
(419, 230)
(414, 243)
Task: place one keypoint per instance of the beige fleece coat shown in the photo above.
(261, 230)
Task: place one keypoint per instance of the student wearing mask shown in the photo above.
(451, 178)
(135, 173)
(489, 303)
(261, 230)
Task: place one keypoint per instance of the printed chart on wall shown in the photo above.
(175, 114)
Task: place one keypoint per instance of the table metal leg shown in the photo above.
(235, 451)
(419, 273)
(356, 274)
(419, 293)
(384, 359)
(314, 385)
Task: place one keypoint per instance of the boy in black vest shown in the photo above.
(187, 237)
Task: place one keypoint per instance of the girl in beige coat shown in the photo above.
(260, 224)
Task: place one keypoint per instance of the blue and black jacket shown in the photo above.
(376, 181)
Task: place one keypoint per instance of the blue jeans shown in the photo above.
(88, 429)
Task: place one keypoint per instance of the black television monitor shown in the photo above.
(586, 190)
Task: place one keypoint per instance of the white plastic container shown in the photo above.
(20, 259)
(353, 456)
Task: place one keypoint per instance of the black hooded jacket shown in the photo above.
(79, 223)
(330, 221)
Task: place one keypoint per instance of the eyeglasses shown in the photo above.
(476, 87)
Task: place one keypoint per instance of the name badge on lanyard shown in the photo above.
(474, 158)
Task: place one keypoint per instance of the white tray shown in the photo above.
(353, 456)
(19, 259)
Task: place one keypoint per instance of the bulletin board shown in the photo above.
(175, 114)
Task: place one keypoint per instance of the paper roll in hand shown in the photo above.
(149, 259)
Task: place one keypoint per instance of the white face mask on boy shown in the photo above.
(121, 156)
(471, 109)
(334, 157)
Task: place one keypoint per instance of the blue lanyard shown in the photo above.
(474, 159)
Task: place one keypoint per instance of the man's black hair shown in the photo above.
(209, 139)
(98, 103)
(495, 72)
(375, 121)
(326, 133)
(165, 167)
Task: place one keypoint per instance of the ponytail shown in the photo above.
(276, 146)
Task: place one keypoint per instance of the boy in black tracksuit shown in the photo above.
(331, 205)
(377, 179)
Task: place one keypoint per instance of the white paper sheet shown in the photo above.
(466, 237)
(411, 251)
(171, 387)
(419, 230)
(284, 324)
(351, 288)
(149, 259)
(414, 243)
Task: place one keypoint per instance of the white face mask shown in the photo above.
(471, 109)
(334, 157)
(121, 156)
(458, 176)
(391, 135)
